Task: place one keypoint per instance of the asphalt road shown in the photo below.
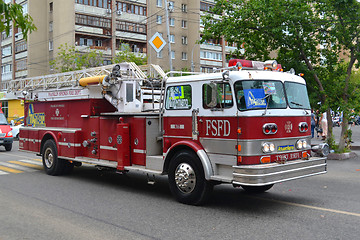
(89, 204)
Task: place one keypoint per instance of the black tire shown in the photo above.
(187, 179)
(52, 165)
(8, 147)
(257, 189)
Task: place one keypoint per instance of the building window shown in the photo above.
(184, 56)
(6, 51)
(211, 55)
(158, 19)
(51, 7)
(183, 24)
(51, 45)
(159, 54)
(172, 22)
(20, 46)
(50, 26)
(159, 3)
(6, 68)
(25, 8)
(184, 8)
(20, 64)
(172, 54)
(172, 38)
(98, 43)
(5, 108)
(184, 40)
(206, 6)
(171, 6)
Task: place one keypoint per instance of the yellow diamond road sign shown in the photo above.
(157, 42)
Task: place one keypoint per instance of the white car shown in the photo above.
(16, 124)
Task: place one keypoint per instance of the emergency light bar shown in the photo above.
(256, 65)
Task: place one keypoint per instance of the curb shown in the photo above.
(341, 156)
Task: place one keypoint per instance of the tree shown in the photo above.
(307, 35)
(68, 59)
(125, 55)
(13, 12)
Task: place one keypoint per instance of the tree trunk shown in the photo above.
(343, 135)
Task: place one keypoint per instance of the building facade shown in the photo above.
(88, 25)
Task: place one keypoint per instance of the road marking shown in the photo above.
(3, 173)
(311, 207)
(27, 164)
(32, 162)
(15, 155)
(18, 167)
(10, 170)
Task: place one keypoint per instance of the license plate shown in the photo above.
(282, 158)
(286, 148)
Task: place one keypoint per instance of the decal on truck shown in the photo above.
(35, 119)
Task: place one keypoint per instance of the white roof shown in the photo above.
(239, 75)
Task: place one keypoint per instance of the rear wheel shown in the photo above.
(187, 179)
(257, 189)
(8, 147)
(52, 165)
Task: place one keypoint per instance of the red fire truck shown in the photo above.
(247, 125)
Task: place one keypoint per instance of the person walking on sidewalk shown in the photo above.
(324, 125)
(313, 123)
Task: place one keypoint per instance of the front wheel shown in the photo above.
(8, 147)
(257, 189)
(187, 179)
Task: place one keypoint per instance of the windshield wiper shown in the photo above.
(267, 103)
(297, 104)
(300, 105)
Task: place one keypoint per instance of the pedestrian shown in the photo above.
(317, 123)
(324, 125)
(313, 123)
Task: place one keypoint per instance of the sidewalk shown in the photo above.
(337, 131)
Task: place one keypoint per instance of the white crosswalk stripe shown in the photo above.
(20, 166)
(3, 173)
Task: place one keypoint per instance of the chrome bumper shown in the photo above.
(265, 174)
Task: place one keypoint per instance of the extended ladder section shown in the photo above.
(124, 85)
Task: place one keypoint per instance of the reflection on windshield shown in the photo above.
(270, 94)
(260, 94)
(3, 119)
(297, 95)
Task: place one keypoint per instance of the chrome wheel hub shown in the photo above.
(49, 158)
(185, 178)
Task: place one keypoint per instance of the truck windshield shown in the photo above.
(3, 119)
(262, 94)
(297, 95)
(259, 94)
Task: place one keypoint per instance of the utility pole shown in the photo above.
(168, 32)
(113, 29)
(223, 51)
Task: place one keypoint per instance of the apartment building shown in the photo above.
(185, 32)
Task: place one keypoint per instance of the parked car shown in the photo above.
(16, 124)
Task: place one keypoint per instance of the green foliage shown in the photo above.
(125, 55)
(69, 60)
(13, 12)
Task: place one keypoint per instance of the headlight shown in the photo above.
(10, 134)
(301, 144)
(268, 147)
(271, 147)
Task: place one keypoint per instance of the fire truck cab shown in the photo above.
(248, 127)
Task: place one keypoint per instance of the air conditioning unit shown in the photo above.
(118, 12)
(108, 11)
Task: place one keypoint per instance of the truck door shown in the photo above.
(217, 122)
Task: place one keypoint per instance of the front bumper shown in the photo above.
(265, 174)
(7, 140)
